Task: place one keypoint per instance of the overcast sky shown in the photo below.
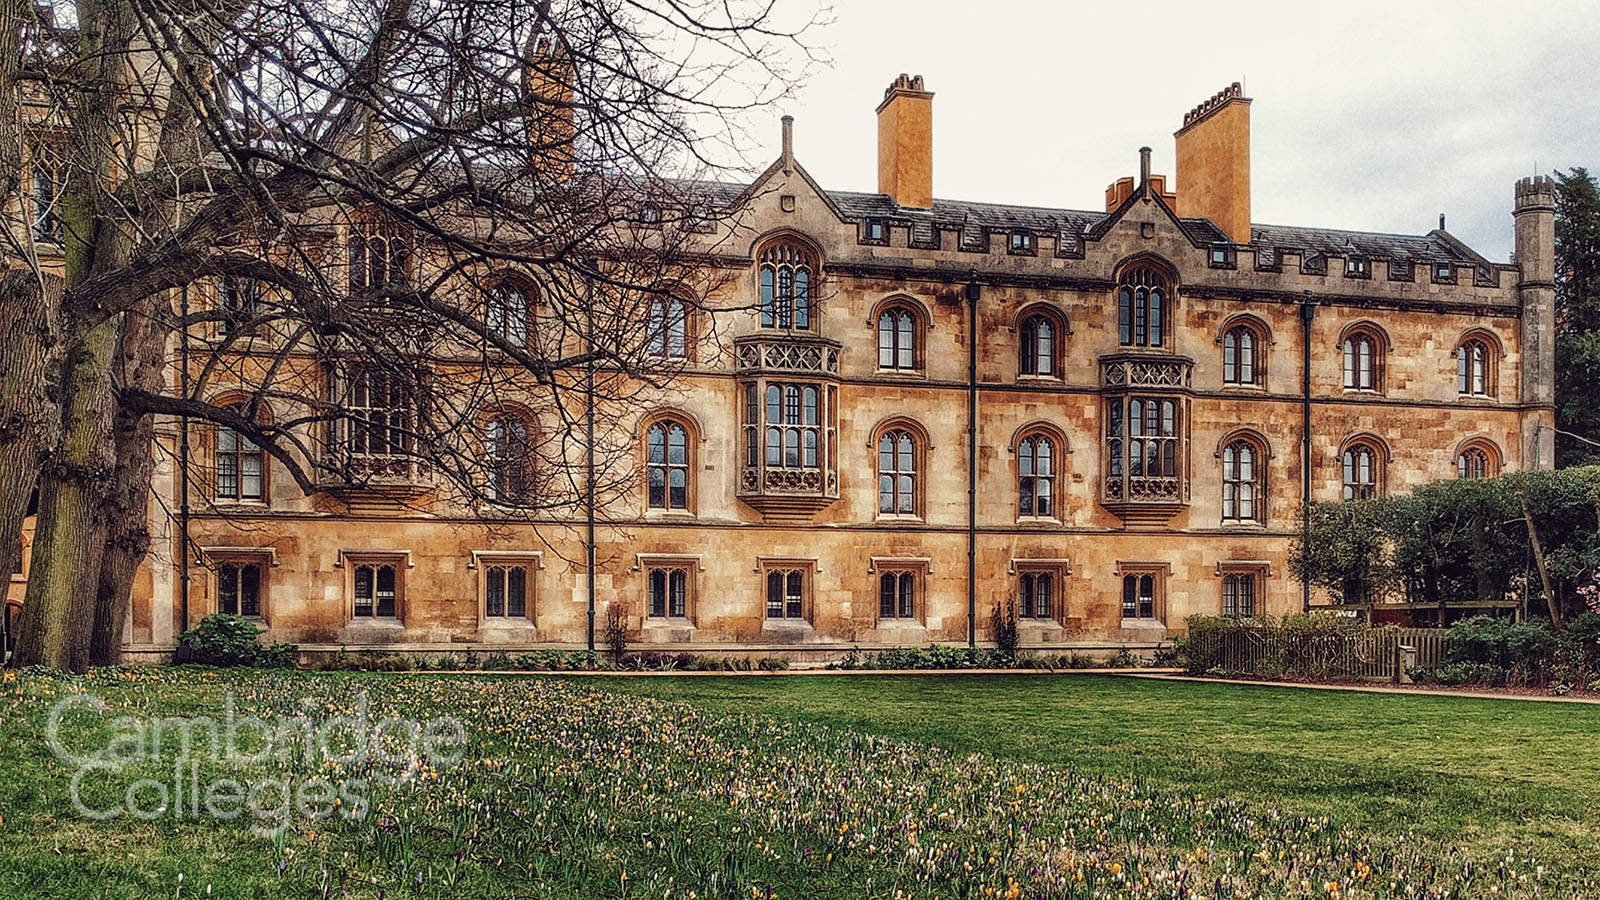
(1367, 115)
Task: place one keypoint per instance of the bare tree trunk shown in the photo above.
(26, 413)
(59, 607)
(141, 356)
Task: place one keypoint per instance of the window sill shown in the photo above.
(240, 504)
(1143, 622)
(900, 373)
(1244, 525)
(680, 515)
(1041, 521)
(1047, 379)
(505, 622)
(786, 625)
(1244, 388)
(899, 519)
(668, 622)
(1363, 392)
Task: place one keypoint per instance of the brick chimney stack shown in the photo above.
(905, 143)
(1213, 171)
(547, 89)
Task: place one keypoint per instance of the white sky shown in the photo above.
(1367, 115)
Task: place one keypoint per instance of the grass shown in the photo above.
(1489, 774)
(816, 787)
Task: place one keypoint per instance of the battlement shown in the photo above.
(1535, 193)
(1218, 100)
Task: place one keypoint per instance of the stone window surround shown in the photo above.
(266, 557)
(1160, 572)
(531, 560)
(691, 565)
(1059, 569)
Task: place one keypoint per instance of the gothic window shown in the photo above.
(788, 592)
(508, 460)
(897, 595)
(505, 591)
(1241, 482)
(897, 473)
(1142, 444)
(239, 300)
(1239, 356)
(376, 590)
(897, 339)
(380, 255)
(239, 588)
(1474, 369)
(241, 467)
(794, 426)
(49, 184)
(668, 591)
(1143, 591)
(1040, 336)
(1478, 459)
(508, 313)
(667, 466)
(667, 328)
(1239, 594)
(1036, 477)
(787, 277)
(1036, 595)
(1363, 364)
(1142, 308)
(1362, 472)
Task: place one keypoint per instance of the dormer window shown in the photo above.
(650, 214)
(1021, 242)
(787, 277)
(874, 231)
(1444, 273)
(1355, 267)
(1221, 257)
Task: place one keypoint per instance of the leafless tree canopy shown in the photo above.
(388, 221)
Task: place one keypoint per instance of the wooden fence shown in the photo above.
(1378, 653)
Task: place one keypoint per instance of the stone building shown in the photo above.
(1108, 418)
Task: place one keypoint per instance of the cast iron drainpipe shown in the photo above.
(1308, 311)
(972, 292)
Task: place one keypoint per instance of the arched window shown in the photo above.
(1474, 364)
(377, 591)
(897, 595)
(1039, 339)
(506, 592)
(1036, 595)
(788, 275)
(241, 467)
(1241, 482)
(49, 186)
(1363, 363)
(1036, 477)
(1239, 359)
(509, 460)
(1477, 459)
(897, 473)
(897, 339)
(667, 464)
(1139, 596)
(380, 255)
(1362, 472)
(1142, 308)
(667, 331)
(507, 312)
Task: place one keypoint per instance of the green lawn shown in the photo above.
(1490, 774)
(947, 787)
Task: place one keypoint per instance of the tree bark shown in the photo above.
(1551, 606)
(141, 355)
(26, 413)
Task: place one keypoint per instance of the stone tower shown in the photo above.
(1535, 213)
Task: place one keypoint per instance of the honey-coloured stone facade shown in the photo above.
(1007, 405)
